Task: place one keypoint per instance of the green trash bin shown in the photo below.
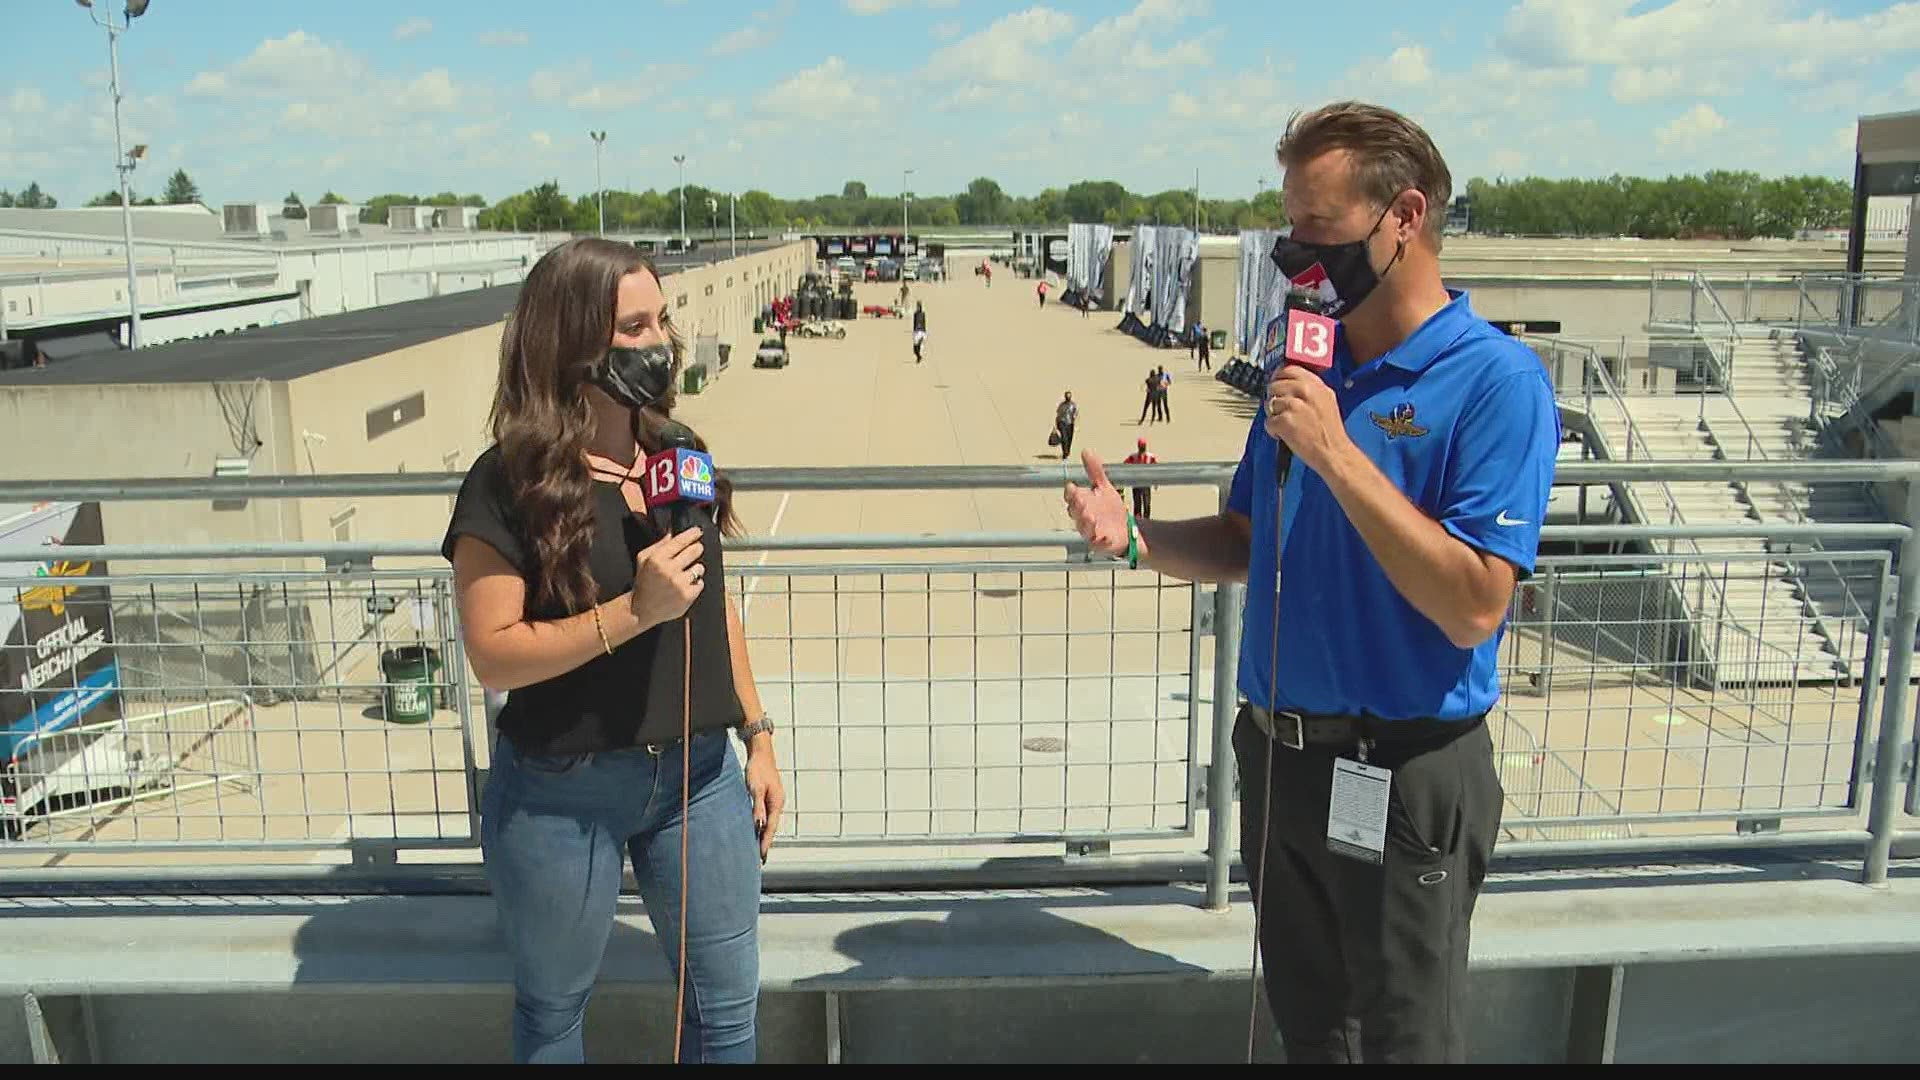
(693, 379)
(411, 673)
(759, 325)
(1219, 339)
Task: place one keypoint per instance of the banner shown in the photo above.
(1174, 252)
(56, 638)
(1139, 297)
(1088, 247)
(1253, 299)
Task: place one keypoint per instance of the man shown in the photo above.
(1377, 591)
(1065, 416)
(1206, 351)
(1142, 496)
(1163, 387)
(1042, 290)
(919, 329)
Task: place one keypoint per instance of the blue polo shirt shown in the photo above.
(1461, 418)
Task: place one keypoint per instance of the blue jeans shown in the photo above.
(553, 830)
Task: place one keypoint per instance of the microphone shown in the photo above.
(678, 477)
(1299, 335)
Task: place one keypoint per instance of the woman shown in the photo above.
(573, 599)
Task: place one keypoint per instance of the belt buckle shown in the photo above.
(1298, 722)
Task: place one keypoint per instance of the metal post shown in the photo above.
(1897, 706)
(600, 185)
(681, 161)
(1227, 602)
(125, 166)
(733, 231)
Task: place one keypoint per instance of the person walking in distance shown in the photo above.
(1041, 289)
(1142, 495)
(919, 330)
(1206, 351)
(1414, 477)
(1065, 416)
(1163, 385)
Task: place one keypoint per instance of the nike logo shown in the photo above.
(1503, 519)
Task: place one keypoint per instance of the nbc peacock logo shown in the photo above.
(696, 470)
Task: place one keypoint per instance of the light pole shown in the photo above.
(599, 143)
(681, 160)
(733, 231)
(713, 219)
(123, 161)
(904, 173)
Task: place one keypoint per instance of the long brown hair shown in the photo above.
(543, 422)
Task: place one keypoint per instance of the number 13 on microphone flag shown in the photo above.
(1297, 337)
(679, 475)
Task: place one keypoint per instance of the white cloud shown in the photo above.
(720, 110)
(745, 39)
(763, 31)
(207, 84)
(542, 140)
(827, 89)
(1690, 127)
(1911, 85)
(413, 28)
(948, 30)
(1508, 162)
(1005, 52)
(1691, 36)
(504, 37)
(433, 90)
(576, 86)
(294, 63)
(1636, 84)
(1408, 65)
(881, 7)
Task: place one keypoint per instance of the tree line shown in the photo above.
(1717, 204)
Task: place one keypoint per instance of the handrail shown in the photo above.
(1754, 445)
(1596, 373)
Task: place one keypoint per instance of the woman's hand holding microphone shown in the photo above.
(667, 578)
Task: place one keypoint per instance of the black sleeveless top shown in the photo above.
(633, 697)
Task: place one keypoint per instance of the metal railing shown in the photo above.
(1880, 305)
(956, 704)
(1853, 609)
(1700, 308)
(1707, 595)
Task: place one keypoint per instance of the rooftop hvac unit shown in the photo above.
(410, 218)
(247, 221)
(457, 217)
(332, 217)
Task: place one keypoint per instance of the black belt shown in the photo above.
(1298, 730)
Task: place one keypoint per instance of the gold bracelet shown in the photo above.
(602, 628)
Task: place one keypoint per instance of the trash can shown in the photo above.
(1219, 339)
(411, 673)
(759, 324)
(726, 353)
(693, 379)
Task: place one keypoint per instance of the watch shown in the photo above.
(754, 727)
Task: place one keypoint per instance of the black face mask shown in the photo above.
(635, 378)
(1342, 275)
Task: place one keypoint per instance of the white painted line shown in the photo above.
(746, 601)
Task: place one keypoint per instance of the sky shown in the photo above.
(798, 96)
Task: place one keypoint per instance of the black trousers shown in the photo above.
(1066, 440)
(1142, 502)
(1368, 963)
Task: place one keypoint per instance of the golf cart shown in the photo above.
(770, 354)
